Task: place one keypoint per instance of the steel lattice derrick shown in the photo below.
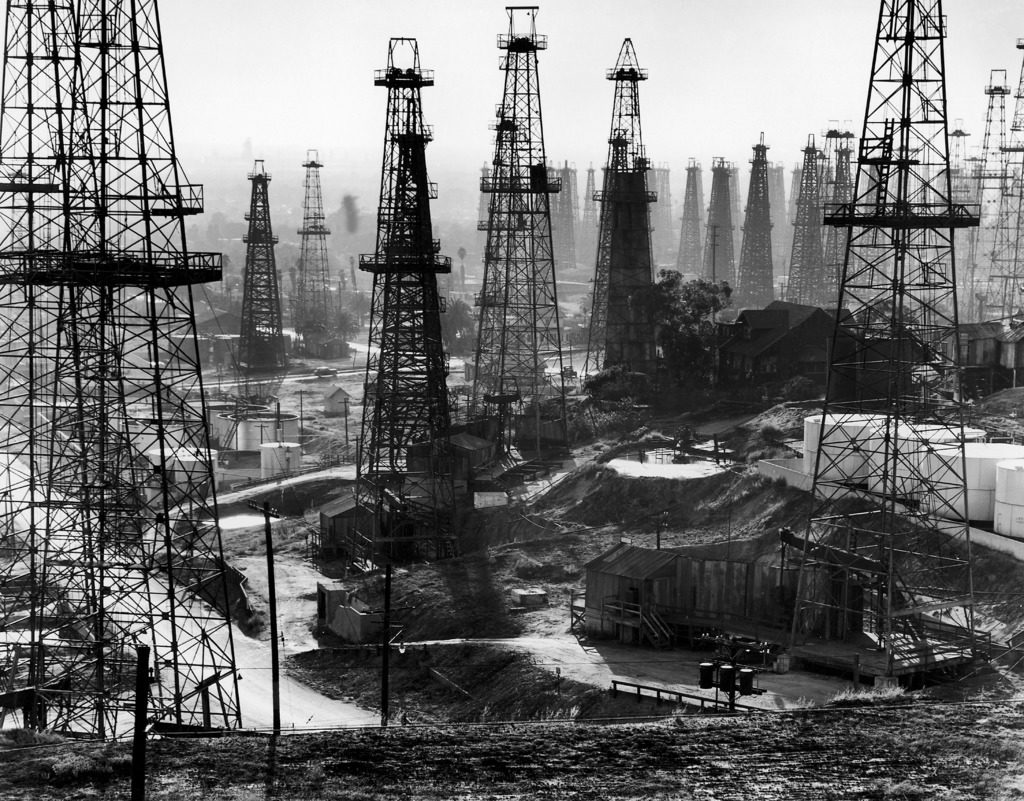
(888, 543)
(405, 469)
(806, 262)
(838, 190)
(964, 179)
(796, 176)
(1006, 269)
(777, 201)
(691, 249)
(662, 230)
(311, 310)
(519, 377)
(734, 197)
(621, 328)
(719, 259)
(261, 353)
(565, 213)
(992, 186)
(108, 516)
(755, 286)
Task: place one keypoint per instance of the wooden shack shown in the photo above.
(341, 524)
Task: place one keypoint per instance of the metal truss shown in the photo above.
(806, 262)
(887, 555)
(719, 256)
(755, 285)
(838, 189)
(262, 362)
(691, 249)
(311, 309)
(405, 467)
(621, 327)
(108, 533)
(519, 375)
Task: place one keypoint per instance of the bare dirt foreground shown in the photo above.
(925, 751)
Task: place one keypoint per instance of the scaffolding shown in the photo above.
(622, 330)
(518, 388)
(886, 563)
(108, 532)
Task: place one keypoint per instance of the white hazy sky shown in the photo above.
(299, 74)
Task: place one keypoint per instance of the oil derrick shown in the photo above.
(481, 213)
(621, 327)
(261, 353)
(777, 201)
(1006, 255)
(518, 381)
(734, 196)
(586, 241)
(794, 192)
(662, 230)
(806, 263)
(109, 521)
(311, 309)
(964, 179)
(405, 468)
(564, 218)
(719, 261)
(755, 288)
(991, 188)
(887, 548)
(839, 190)
(690, 260)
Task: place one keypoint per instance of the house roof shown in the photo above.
(797, 311)
(630, 561)
(763, 319)
(989, 330)
(344, 506)
(337, 391)
(757, 344)
(1015, 335)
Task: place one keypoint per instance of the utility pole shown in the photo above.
(139, 738)
(275, 673)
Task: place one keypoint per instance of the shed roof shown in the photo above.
(630, 561)
(344, 506)
(337, 391)
(469, 442)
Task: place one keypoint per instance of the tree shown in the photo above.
(458, 328)
(348, 324)
(685, 315)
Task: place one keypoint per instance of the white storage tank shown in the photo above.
(1009, 498)
(253, 430)
(279, 458)
(981, 469)
(842, 453)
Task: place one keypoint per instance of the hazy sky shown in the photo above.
(299, 74)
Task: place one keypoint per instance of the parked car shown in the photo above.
(325, 372)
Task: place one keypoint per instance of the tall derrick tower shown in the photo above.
(621, 327)
(777, 200)
(518, 382)
(691, 249)
(840, 191)
(888, 545)
(734, 197)
(262, 362)
(755, 288)
(587, 237)
(965, 182)
(565, 212)
(108, 532)
(405, 469)
(663, 231)
(796, 177)
(311, 310)
(719, 260)
(806, 264)
(991, 188)
(1006, 252)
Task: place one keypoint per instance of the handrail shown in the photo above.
(678, 694)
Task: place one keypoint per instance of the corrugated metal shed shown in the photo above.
(632, 562)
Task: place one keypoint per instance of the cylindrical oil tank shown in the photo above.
(278, 458)
(1009, 498)
(213, 410)
(842, 452)
(980, 470)
(253, 430)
